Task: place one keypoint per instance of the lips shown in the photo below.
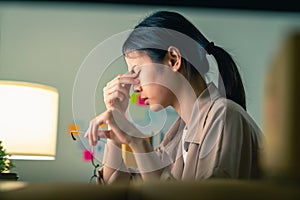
(144, 100)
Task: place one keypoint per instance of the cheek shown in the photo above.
(147, 79)
(159, 94)
(162, 76)
(154, 90)
(150, 74)
(157, 97)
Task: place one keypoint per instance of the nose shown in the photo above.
(137, 88)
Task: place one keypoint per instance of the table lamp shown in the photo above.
(28, 120)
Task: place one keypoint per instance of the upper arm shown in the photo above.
(231, 145)
(221, 150)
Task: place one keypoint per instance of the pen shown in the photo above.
(102, 127)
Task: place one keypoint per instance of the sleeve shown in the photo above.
(233, 146)
(117, 175)
(113, 159)
(155, 160)
(162, 160)
(226, 150)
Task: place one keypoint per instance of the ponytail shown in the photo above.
(229, 73)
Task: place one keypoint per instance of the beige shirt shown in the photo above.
(222, 141)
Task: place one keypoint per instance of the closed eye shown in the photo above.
(132, 71)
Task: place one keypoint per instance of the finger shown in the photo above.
(86, 134)
(113, 100)
(117, 95)
(107, 93)
(112, 128)
(98, 121)
(123, 86)
(120, 125)
(101, 124)
(119, 88)
(104, 133)
(123, 78)
(89, 135)
(126, 75)
(94, 133)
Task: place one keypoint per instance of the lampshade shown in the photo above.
(28, 120)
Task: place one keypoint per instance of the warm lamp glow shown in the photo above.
(28, 120)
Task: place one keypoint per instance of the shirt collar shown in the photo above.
(200, 112)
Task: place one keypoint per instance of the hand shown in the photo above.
(122, 131)
(116, 93)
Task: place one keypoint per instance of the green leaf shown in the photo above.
(3, 158)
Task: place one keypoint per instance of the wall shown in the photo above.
(47, 43)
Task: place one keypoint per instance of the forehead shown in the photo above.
(136, 58)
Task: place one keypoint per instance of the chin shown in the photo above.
(156, 107)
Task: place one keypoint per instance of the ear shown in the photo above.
(173, 58)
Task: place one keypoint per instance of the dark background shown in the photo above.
(256, 5)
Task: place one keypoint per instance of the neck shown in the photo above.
(187, 96)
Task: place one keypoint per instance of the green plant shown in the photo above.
(5, 163)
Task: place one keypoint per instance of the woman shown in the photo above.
(213, 136)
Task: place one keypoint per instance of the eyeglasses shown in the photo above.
(95, 166)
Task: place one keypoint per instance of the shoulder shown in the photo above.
(227, 106)
(232, 114)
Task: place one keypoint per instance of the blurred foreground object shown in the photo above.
(281, 159)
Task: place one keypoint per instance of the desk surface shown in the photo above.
(210, 189)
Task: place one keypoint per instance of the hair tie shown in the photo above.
(209, 47)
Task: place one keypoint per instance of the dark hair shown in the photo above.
(156, 42)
